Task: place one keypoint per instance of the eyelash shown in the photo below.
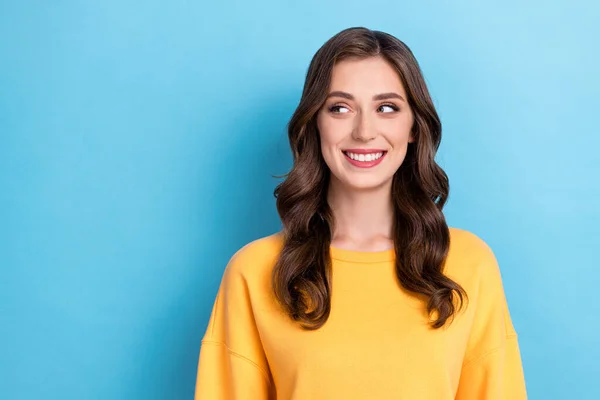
(392, 106)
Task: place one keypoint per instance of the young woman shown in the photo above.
(366, 293)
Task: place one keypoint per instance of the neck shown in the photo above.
(363, 218)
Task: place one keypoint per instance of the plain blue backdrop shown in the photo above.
(138, 142)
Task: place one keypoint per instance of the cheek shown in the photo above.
(331, 135)
(398, 131)
(329, 132)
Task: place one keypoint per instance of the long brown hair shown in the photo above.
(302, 273)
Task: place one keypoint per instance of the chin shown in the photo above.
(367, 183)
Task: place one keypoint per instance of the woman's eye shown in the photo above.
(338, 109)
(387, 108)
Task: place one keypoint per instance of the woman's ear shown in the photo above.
(412, 136)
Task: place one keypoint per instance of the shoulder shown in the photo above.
(470, 259)
(472, 263)
(256, 256)
(466, 244)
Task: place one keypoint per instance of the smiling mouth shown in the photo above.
(364, 158)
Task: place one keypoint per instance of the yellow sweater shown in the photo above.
(377, 343)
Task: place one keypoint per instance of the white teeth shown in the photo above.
(365, 157)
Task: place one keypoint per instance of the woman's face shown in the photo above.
(365, 123)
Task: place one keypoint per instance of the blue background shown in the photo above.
(138, 142)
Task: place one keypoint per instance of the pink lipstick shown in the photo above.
(364, 158)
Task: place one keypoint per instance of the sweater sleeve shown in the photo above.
(232, 363)
(492, 368)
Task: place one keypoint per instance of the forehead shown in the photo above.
(367, 75)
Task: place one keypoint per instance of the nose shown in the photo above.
(364, 130)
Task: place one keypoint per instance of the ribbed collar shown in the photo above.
(362, 256)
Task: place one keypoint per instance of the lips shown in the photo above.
(364, 158)
(364, 151)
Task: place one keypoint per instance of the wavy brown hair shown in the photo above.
(302, 273)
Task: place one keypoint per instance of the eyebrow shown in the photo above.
(380, 96)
